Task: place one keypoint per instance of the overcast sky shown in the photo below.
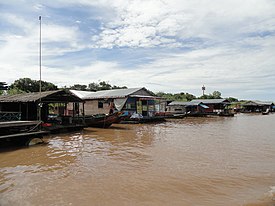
(163, 45)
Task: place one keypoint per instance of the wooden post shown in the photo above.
(73, 110)
(20, 111)
(83, 112)
(27, 111)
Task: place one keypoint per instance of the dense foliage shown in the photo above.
(96, 86)
(28, 85)
(176, 97)
(214, 95)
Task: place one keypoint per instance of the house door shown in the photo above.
(144, 108)
(139, 107)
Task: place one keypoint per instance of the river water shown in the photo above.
(194, 161)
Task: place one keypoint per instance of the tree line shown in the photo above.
(25, 85)
(188, 97)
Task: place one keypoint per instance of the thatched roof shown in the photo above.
(48, 96)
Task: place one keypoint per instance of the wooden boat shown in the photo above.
(226, 114)
(196, 114)
(153, 119)
(265, 112)
(102, 120)
(170, 115)
(179, 116)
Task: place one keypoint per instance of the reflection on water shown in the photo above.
(192, 161)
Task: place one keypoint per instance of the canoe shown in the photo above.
(102, 120)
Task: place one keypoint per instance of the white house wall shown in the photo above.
(91, 108)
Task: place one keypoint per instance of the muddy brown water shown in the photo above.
(193, 161)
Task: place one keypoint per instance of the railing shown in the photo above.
(10, 116)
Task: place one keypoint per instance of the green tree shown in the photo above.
(217, 95)
(29, 85)
(232, 99)
(15, 91)
(118, 87)
(214, 95)
(103, 85)
(205, 96)
(80, 87)
(93, 86)
(190, 97)
(176, 97)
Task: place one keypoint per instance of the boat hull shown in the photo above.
(102, 121)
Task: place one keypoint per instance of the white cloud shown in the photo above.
(145, 23)
(226, 45)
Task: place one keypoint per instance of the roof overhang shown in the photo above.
(58, 96)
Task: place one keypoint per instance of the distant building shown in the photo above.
(199, 106)
(177, 107)
(212, 105)
(258, 106)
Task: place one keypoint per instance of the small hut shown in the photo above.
(199, 107)
(214, 106)
(177, 107)
(49, 107)
(257, 106)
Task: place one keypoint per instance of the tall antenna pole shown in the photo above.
(203, 89)
(40, 63)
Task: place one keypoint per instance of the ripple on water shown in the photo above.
(193, 161)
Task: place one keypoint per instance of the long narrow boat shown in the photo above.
(265, 112)
(153, 119)
(102, 120)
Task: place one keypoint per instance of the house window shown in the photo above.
(100, 104)
(130, 106)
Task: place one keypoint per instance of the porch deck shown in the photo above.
(10, 124)
(19, 132)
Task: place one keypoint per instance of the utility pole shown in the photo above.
(40, 63)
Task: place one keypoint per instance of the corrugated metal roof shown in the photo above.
(176, 103)
(210, 101)
(199, 101)
(258, 103)
(147, 97)
(105, 94)
(80, 94)
(264, 102)
(55, 96)
(187, 104)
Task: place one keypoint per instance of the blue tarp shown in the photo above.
(204, 106)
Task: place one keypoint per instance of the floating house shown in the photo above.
(258, 106)
(199, 107)
(51, 104)
(133, 102)
(212, 106)
(176, 107)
